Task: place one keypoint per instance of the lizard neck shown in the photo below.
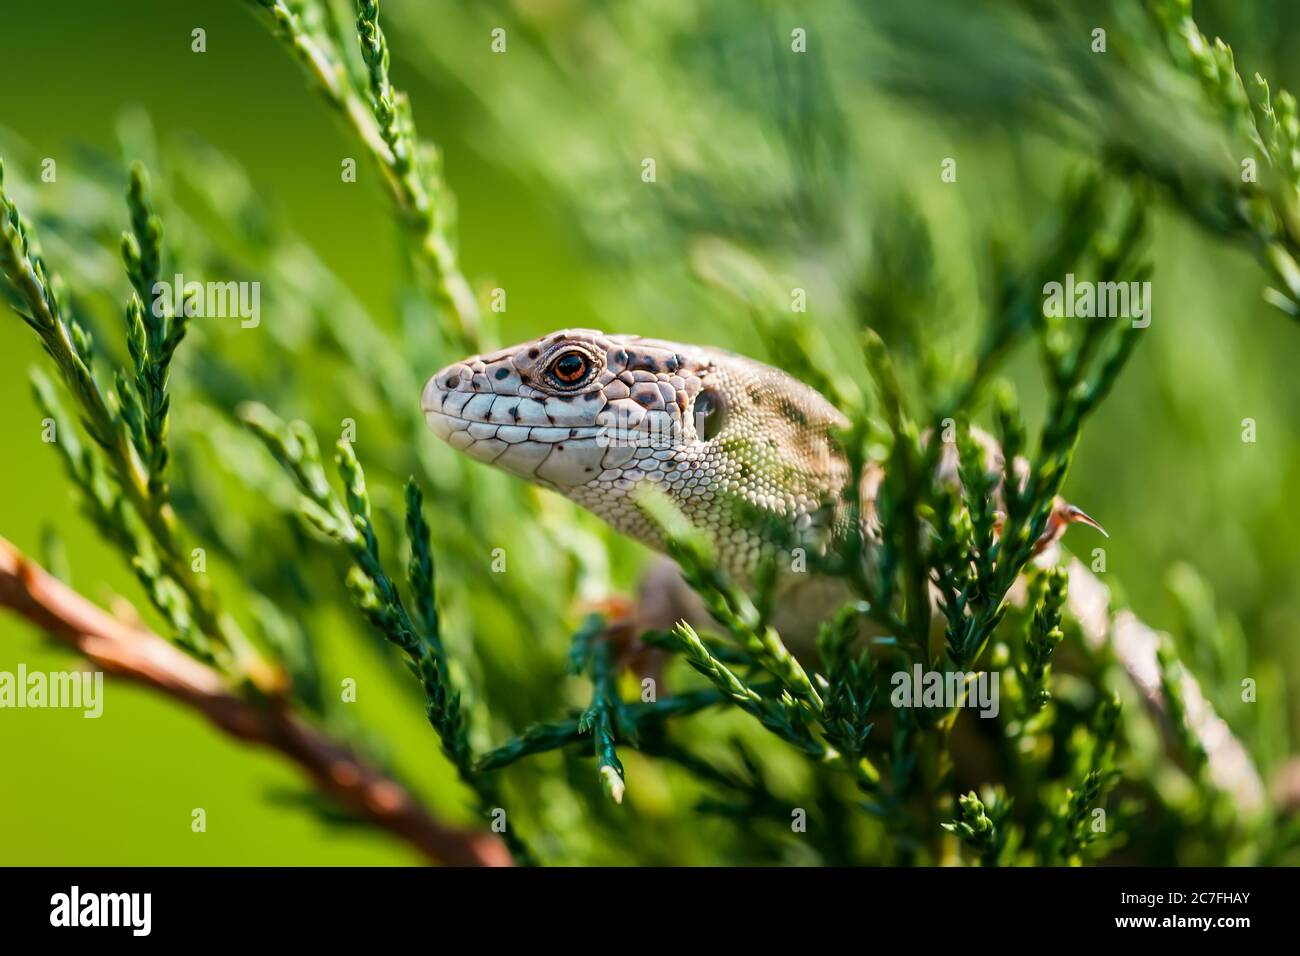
(754, 500)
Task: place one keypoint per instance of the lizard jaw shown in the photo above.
(553, 456)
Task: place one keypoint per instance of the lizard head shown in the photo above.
(565, 408)
(596, 416)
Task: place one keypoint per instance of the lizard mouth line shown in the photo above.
(547, 434)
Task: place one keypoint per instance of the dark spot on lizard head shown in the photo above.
(565, 398)
(453, 382)
(502, 373)
(794, 413)
(534, 352)
(642, 363)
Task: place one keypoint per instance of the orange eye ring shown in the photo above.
(570, 367)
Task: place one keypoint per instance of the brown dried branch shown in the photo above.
(136, 654)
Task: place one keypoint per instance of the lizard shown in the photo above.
(737, 445)
(745, 451)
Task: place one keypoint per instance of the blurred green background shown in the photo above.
(1162, 466)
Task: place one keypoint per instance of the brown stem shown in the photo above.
(136, 654)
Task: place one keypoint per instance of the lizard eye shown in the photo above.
(569, 368)
(708, 414)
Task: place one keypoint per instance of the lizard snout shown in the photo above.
(482, 406)
(443, 390)
(453, 378)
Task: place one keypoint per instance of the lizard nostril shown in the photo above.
(453, 378)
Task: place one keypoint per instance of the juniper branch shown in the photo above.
(154, 332)
(411, 168)
(145, 658)
(1043, 638)
(71, 349)
(729, 605)
(1268, 125)
(982, 828)
(348, 523)
(634, 719)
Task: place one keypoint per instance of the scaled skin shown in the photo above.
(734, 443)
(744, 450)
